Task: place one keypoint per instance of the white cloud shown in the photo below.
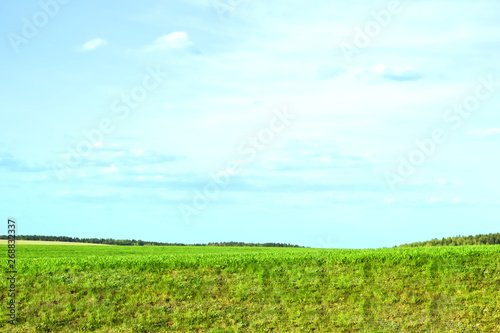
(407, 73)
(62, 193)
(137, 151)
(93, 44)
(175, 40)
(110, 169)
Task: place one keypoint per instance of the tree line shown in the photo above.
(482, 239)
(133, 242)
(253, 244)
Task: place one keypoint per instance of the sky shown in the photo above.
(346, 124)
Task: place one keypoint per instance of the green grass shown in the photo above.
(221, 289)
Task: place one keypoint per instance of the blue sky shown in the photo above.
(354, 124)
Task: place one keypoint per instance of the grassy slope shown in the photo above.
(189, 289)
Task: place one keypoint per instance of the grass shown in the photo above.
(221, 289)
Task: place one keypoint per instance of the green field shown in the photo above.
(226, 289)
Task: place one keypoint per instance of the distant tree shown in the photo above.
(482, 239)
